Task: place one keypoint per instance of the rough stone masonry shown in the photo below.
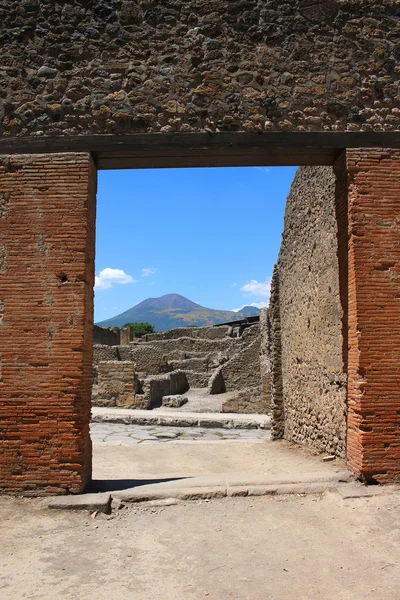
(307, 319)
(113, 66)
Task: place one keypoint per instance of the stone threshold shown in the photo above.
(222, 486)
(173, 418)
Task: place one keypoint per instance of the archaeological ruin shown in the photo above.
(224, 361)
(115, 84)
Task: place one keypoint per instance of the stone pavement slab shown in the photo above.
(92, 502)
(132, 434)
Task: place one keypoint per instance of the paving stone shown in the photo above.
(166, 435)
(134, 434)
(92, 502)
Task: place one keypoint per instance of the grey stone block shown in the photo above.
(174, 401)
(92, 502)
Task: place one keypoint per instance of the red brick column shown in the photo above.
(47, 232)
(373, 435)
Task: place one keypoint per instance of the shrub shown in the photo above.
(139, 329)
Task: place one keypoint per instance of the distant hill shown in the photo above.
(173, 310)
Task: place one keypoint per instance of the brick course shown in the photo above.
(373, 442)
(46, 281)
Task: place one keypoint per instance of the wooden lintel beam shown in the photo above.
(114, 151)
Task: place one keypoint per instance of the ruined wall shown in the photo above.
(116, 384)
(243, 369)
(209, 333)
(119, 66)
(265, 359)
(106, 335)
(242, 374)
(307, 314)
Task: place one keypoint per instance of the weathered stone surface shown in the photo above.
(309, 379)
(92, 502)
(248, 400)
(108, 336)
(155, 387)
(254, 65)
(116, 384)
(174, 401)
(242, 374)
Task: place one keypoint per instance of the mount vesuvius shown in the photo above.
(173, 310)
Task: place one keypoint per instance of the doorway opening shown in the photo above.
(189, 254)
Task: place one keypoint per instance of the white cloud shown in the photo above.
(147, 272)
(256, 304)
(108, 277)
(257, 288)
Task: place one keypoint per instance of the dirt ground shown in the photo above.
(121, 459)
(279, 548)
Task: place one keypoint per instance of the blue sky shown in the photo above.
(212, 235)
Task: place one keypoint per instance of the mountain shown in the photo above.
(173, 310)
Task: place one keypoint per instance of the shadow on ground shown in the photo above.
(114, 485)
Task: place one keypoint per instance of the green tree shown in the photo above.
(140, 328)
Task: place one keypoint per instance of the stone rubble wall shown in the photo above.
(108, 336)
(209, 333)
(306, 319)
(153, 357)
(189, 344)
(265, 358)
(157, 386)
(243, 369)
(116, 67)
(248, 400)
(116, 384)
(242, 374)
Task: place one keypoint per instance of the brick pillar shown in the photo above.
(47, 233)
(373, 434)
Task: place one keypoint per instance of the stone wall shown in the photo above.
(108, 336)
(116, 384)
(115, 66)
(242, 374)
(209, 333)
(243, 369)
(157, 386)
(307, 316)
(265, 358)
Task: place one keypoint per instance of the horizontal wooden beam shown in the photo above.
(222, 158)
(205, 149)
